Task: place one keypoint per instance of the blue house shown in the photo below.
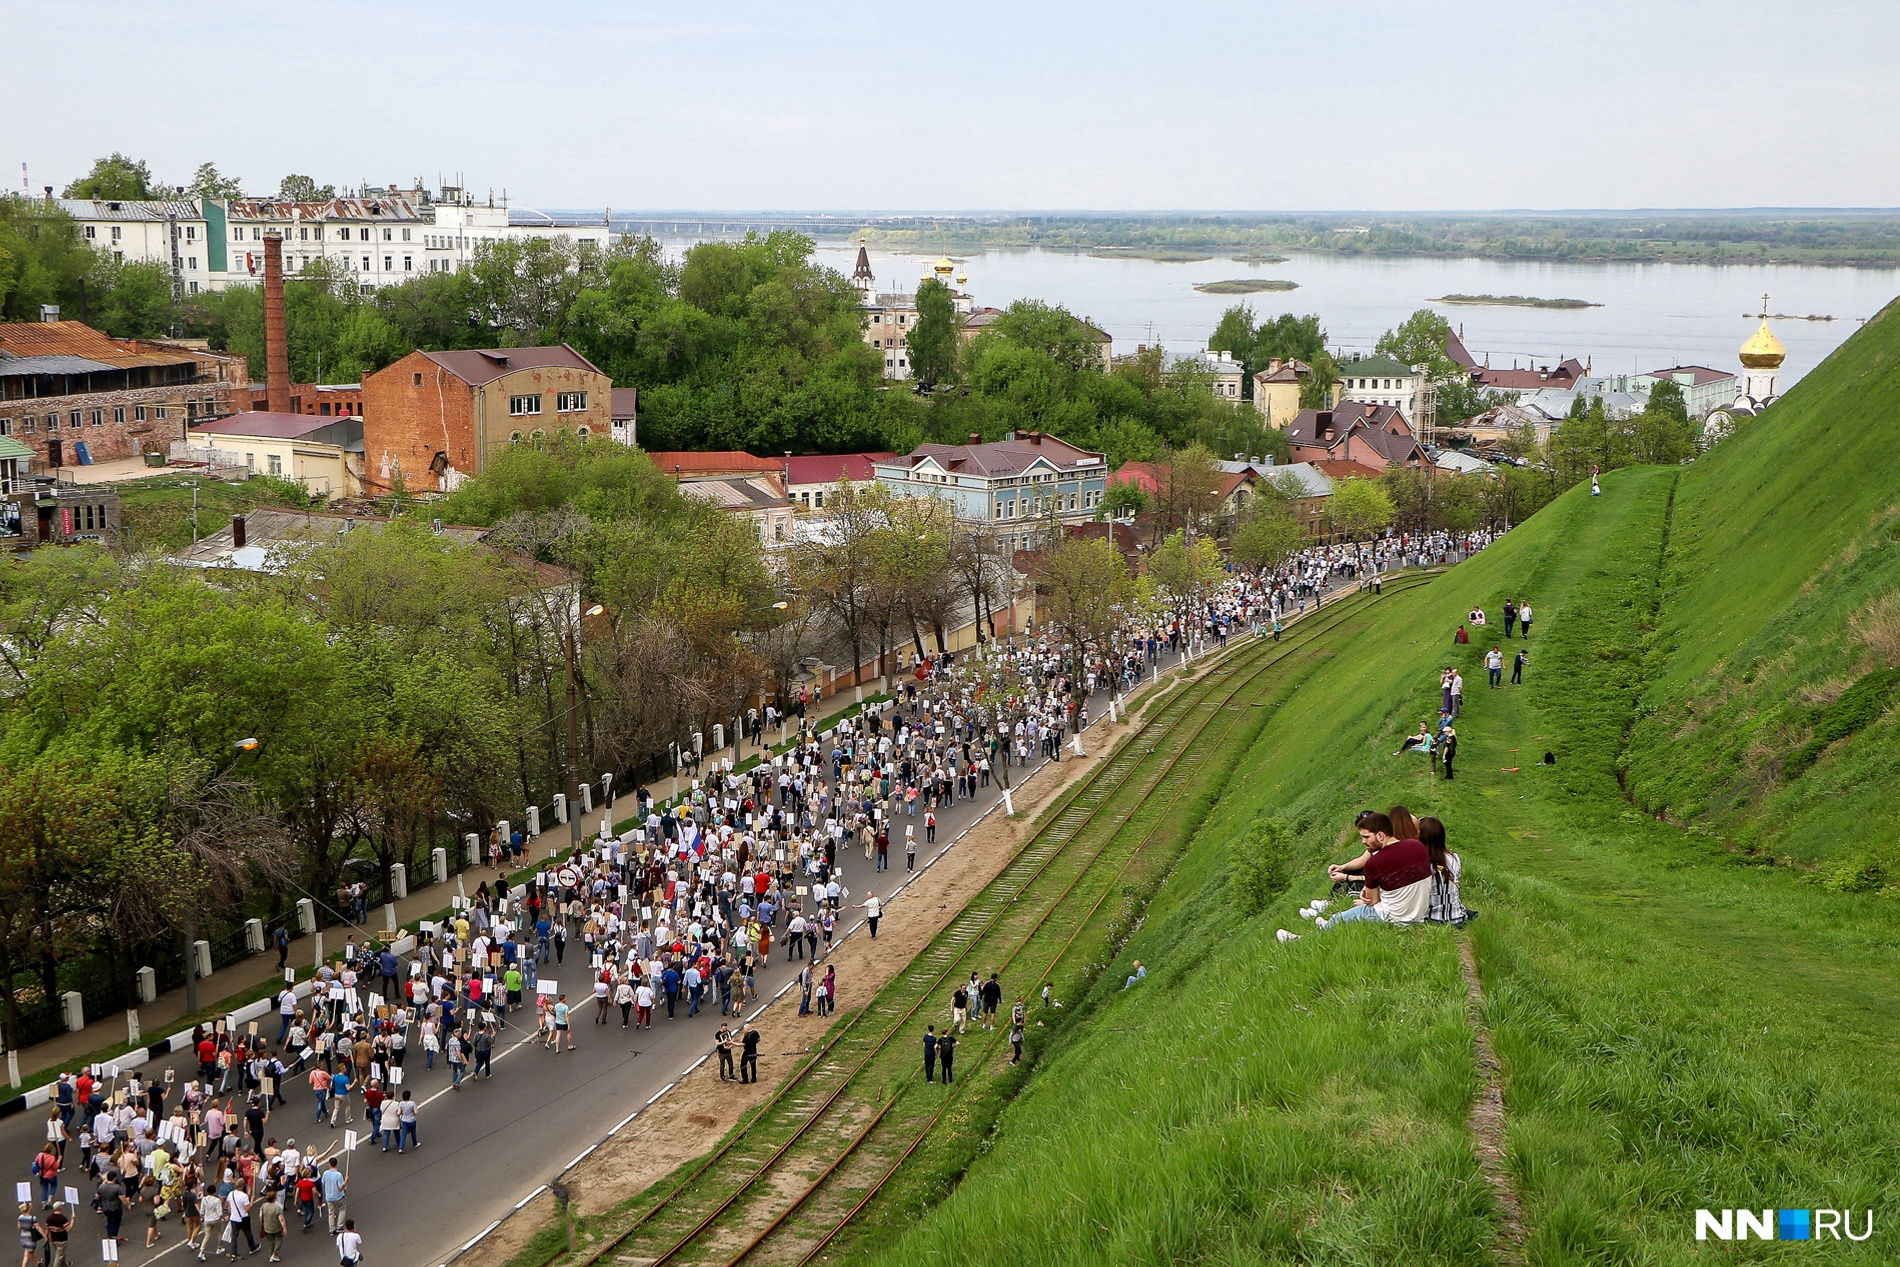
(1010, 484)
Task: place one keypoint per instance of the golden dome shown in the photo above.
(1763, 351)
(945, 266)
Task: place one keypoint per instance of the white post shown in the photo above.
(534, 821)
(75, 1006)
(399, 881)
(587, 798)
(719, 736)
(389, 920)
(306, 917)
(471, 850)
(254, 936)
(132, 1026)
(201, 957)
(1009, 804)
(1078, 745)
(439, 864)
(560, 807)
(148, 985)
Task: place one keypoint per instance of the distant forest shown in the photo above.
(1849, 239)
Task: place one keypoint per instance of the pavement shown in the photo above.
(489, 1147)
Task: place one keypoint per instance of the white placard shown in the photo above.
(395, 1075)
(488, 1018)
(23, 1191)
(349, 1141)
(72, 1198)
(109, 1250)
(546, 987)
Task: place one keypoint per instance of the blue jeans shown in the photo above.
(1352, 913)
(323, 1102)
(408, 1136)
(1496, 675)
(456, 1069)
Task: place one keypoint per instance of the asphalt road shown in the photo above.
(490, 1145)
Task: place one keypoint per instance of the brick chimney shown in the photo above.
(237, 531)
(276, 353)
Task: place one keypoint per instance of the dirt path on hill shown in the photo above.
(1487, 1117)
(695, 1115)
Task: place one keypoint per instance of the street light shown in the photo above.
(247, 745)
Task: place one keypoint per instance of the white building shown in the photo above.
(378, 240)
(460, 225)
(169, 231)
(1383, 380)
(1224, 373)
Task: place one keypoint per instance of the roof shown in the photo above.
(1313, 481)
(1002, 457)
(624, 400)
(485, 365)
(1568, 371)
(1463, 463)
(11, 448)
(829, 468)
(1213, 362)
(1341, 469)
(20, 366)
(1699, 375)
(1380, 428)
(130, 208)
(720, 462)
(1380, 366)
(333, 209)
(1455, 349)
(77, 339)
(265, 527)
(735, 494)
(1289, 371)
(265, 425)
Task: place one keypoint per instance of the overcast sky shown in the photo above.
(1033, 104)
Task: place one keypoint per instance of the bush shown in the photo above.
(1860, 705)
(1261, 864)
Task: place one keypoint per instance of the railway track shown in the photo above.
(812, 1156)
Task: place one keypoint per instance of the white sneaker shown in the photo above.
(1321, 904)
(1322, 924)
(1306, 912)
(1285, 936)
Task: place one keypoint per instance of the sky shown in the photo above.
(1045, 105)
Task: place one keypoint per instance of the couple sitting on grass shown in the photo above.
(1410, 877)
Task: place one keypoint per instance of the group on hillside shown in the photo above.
(1405, 875)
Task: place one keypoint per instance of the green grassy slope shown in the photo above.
(1780, 597)
(1678, 1027)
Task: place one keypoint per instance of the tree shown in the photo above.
(933, 340)
(1235, 333)
(1187, 572)
(1359, 508)
(114, 176)
(1457, 398)
(294, 188)
(209, 182)
(1420, 340)
(1260, 866)
(1124, 500)
(1188, 493)
(1083, 592)
(132, 300)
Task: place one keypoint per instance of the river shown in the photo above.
(1653, 315)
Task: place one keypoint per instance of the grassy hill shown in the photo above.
(1678, 1025)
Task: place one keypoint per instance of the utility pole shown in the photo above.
(572, 783)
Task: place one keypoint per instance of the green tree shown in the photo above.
(132, 300)
(1420, 340)
(1236, 333)
(209, 182)
(933, 340)
(1124, 500)
(1084, 594)
(295, 188)
(114, 176)
(1186, 571)
(43, 258)
(1359, 508)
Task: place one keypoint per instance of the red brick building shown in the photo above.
(1374, 436)
(435, 418)
(74, 395)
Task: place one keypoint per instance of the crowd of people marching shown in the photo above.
(671, 917)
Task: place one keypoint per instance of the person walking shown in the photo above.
(749, 1056)
(1517, 668)
(960, 1008)
(335, 1189)
(946, 1055)
(930, 1053)
(1510, 616)
(349, 1245)
(1016, 1035)
(1494, 666)
(270, 1217)
(237, 1209)
(561, 1025)
(484, 1047)
(1524, 618)
(211, 1214)
(872, 909)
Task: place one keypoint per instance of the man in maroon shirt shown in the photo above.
(1398, 878)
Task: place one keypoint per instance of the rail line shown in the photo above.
(1154, 753)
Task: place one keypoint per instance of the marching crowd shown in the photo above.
(678, 913)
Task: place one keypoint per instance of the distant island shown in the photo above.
(1245, 286)
(1514, 301)
(1786, 316)
(1161, 255)
(1259, 257)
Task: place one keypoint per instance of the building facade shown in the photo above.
(1277, 388)
(75, 396)
(433, 419)
(1375, 436)
(1015, 485)
(325, 455)
(167, 231)
(1383, 380)
(1703, 388)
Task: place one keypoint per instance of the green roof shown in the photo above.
(11, 448)
(1382, 366)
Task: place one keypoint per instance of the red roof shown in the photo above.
(264, 424)
(485, 365)
(829, 468)
(1530, 380)
(1341, 469)
(720, 462)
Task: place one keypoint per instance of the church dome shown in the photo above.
(1763, 351)
(945, 267)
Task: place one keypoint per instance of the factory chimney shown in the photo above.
(276, 352)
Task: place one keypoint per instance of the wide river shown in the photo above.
(1653, 315)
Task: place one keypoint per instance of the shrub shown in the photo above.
(1260, 865)
(1859, 706)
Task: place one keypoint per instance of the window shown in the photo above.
(237, 233)
(582, 432)
(98, 418)
(514, 437)
(115, 233)
(276, 464)
(408, 264)
(194, 287)
(118, 415)
(159, 412)
(191, 261)
(52, 422)
(303, 233)
(30, 423)
(570, 402)
(250, 461)
(72, 419)
(257, 234)
(415, 380)
(92, 231)
(366, 262)
(389, 264)
(405, 235)
(191, 233)
(138, 413)
(523, 406)
(6, 426)
(344, 233)
(364, 235)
